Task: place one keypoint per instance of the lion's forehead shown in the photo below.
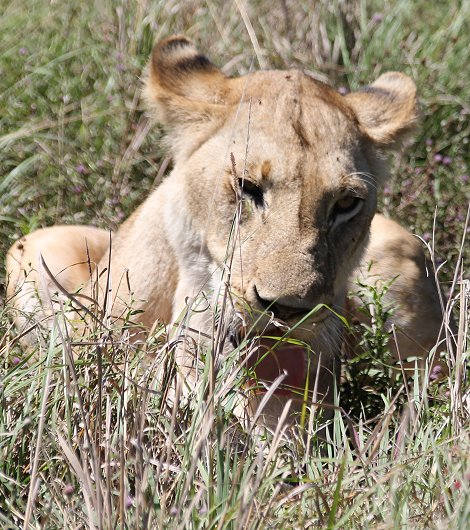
(306, 121)
(292, 84)
(295, 130)
(296, 157)
(294, 99)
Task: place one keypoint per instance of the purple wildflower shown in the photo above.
(438, 158)
(464, 178)
(129, 501)
(377, 17)
(67, 490)
(447, 160)
(343, 90)
(435, 373)
(406, 183)
(429, 142)
(23, 51)
(80, 169)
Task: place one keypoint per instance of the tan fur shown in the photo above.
(395, 258)
(71, 254)
(308, 149)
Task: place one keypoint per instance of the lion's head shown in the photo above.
(273, 189)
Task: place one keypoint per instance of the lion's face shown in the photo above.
(290, 186)
(274, 185)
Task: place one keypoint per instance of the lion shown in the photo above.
(257, 232)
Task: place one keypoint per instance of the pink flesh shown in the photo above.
(277, 358)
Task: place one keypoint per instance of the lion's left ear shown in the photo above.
(182, 84)
(187, 93)
(387, 109)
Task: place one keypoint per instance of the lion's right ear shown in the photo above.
(387, 109)
(183, 87)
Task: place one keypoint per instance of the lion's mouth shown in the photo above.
(272, 354)
(270, 358)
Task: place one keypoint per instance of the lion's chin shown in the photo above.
(273, 357)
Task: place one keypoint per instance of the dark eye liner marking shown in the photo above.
(250, 190)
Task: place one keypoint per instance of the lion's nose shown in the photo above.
(280, 310)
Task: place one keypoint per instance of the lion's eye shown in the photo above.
(346, 204)
(345, 209)
(250, 190)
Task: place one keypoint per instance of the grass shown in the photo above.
(90, 440)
